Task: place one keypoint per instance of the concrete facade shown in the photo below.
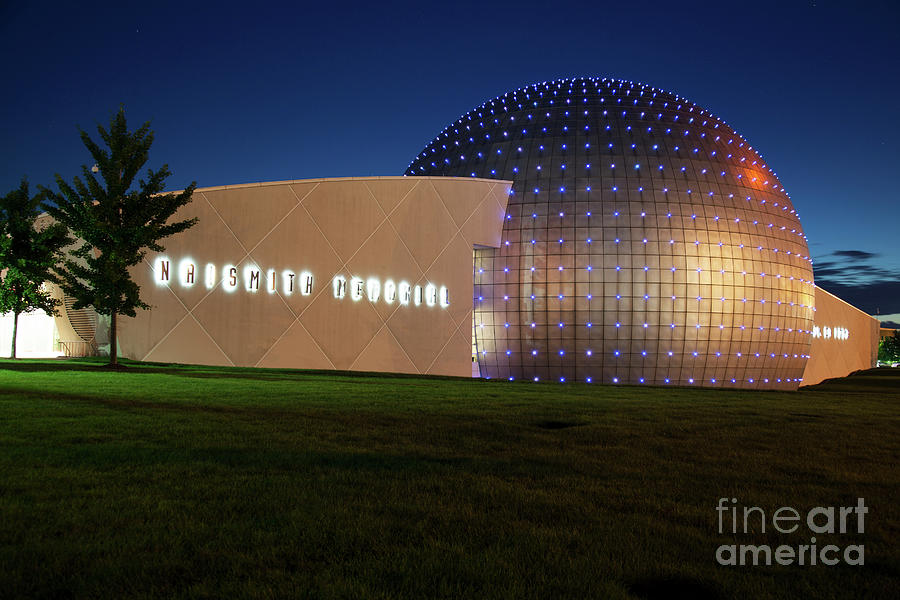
(272, 239)
(310, 274)
(844, 339)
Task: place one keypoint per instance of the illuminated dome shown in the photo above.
(646, 242)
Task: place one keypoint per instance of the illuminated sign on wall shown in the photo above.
(403, 293)
(253, 279)
(838, 333)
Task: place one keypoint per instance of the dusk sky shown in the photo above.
(241, 93)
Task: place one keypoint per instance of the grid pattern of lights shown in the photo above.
(646, 242)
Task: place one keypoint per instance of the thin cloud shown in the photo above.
(848, 275)
(824, 264)
(828, 273)
(854, 254)
(854, 274)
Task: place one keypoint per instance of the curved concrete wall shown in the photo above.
(235, 289)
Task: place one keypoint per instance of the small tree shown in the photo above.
(889, 348)
(116, 224)
(27, 256)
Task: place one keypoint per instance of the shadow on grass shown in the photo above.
(883, 379)
(297, 464)
(114, 403)
(99, 364)
(24, 365)
(870, 380)
(551, 424)
(675, 588)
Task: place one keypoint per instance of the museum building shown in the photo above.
(584, 229)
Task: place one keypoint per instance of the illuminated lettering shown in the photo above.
(837, 333)
(357, 288)
(162, 267)
(251, 277)
(417, 295)
(255, 278)
(340, 286)
(373, 289)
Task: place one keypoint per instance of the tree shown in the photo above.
(889, 348)
(116, 223)
(27, 255)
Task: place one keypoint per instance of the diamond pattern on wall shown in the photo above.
(424, 223)
(384, 248)
(459, 205)
(295, 345)
(151, 326)
(384, 353)
(252, 211)
(397, 228)
(460, 306)
(345, 212)
(184, 342)
(489, 211)
(244, 324)
(407, 326)
(286, 247)
(182, 247)
(446, 361)
(341, 328)
(389, 191)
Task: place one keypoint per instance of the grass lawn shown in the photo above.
(173, 481)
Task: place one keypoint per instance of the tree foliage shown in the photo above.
(889, 348)
(115, 221)
(27, 256)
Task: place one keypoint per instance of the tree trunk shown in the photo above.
(12, 353)
(113, 346)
